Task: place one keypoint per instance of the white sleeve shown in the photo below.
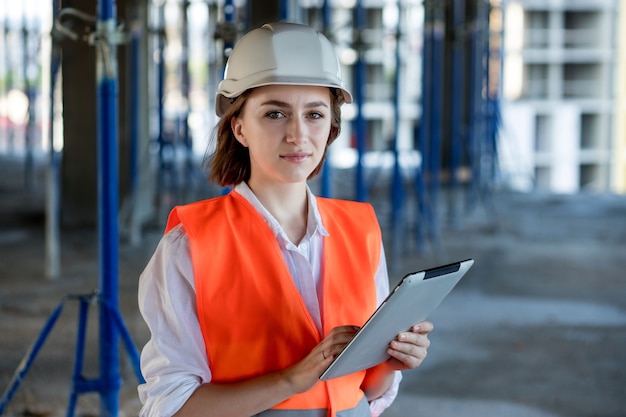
(174, 361)
(380, 404)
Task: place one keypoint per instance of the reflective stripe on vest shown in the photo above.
(251, 314)
(361, 410)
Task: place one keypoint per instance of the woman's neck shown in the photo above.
(288, 204)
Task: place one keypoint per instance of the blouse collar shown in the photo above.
(314, 220)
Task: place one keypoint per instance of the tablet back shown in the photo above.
(411, 301)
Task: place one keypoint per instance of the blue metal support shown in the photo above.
(185, 88)
(283, 11)
(457, 106)
(4, 51)
(107, 138)
(481, 133)
(488, 158)
(229, 37)
(327, 18)
(359, 96)
(436, 137)
(111, 326)
(8, 83)
(229, 18)
(79, 385)
(29, 91)
(481, 97)
(497, 48)
(134, 119)
(474, 103)
(397, 191)
(53, 187)
(29, 358)
(326, 174)
(164, 165)
(424, 132)
(487, 147)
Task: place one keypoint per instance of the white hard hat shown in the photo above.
(279, 53)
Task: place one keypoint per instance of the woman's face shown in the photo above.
(286, 129)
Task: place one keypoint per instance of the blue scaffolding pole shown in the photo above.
(134, 41)
(165, 172)
(488, 150)
(457, 101)
(474, 103)
(397, 191)
(436, 138)
(229, 19)
(185, 88)
(31, 94)
(8, 83)
(283, 10)
(111, 325)
(53, 180)
(107, 98)
(227, 32)
(359, 96)
(424, 133)
(326, 174)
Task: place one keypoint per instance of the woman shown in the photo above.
(249, 296)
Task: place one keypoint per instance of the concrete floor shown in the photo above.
(536, 329)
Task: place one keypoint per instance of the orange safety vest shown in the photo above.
(251, 314)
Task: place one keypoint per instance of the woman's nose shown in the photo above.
(296, 131)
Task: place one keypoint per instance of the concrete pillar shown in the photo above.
(618, 183)
(516, 146)
(556, 45)
(79, 205)
(565, 176)
(78, 172)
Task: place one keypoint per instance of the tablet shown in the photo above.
(411, 301)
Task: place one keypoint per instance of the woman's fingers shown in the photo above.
(410, 348)
(423, 327)
(304, 374)
(336, 340)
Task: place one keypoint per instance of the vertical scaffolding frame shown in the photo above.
(326, 174)
(359, 96)
(107, 138)
(397, 220)
(111, 326)
(424, 132)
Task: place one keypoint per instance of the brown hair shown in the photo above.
(229, 164)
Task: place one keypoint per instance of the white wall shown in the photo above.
(516, 146)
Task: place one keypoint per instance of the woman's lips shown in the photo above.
(296, 157)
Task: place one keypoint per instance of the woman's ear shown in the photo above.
(236, 127)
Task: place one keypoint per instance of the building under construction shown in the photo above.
(106, 111)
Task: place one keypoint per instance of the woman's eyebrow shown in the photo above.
(276, 103)
(317, 104)
(279, 103)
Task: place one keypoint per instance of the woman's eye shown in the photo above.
(274, 115)
(316, 115)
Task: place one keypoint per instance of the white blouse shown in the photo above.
(174, 361)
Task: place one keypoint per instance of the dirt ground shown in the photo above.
(536, 329)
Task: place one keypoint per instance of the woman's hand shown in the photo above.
(305, 374)
(408, 350)
(254, 395)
